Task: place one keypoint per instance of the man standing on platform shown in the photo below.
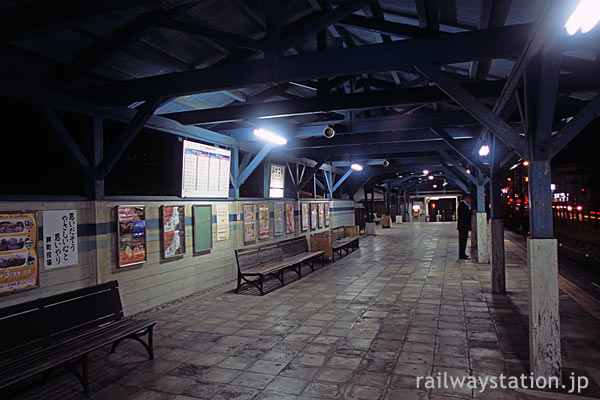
(463, 226)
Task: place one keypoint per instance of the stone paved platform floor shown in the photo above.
(361, 328)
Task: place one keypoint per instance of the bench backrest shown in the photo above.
(338, 233)
(40, 322)
(295, 246)
(258, 255)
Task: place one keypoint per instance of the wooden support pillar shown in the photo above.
(367, 213)
(234, 192)
(94, 185)
(497, 226)
(372, 201)
(541, 87)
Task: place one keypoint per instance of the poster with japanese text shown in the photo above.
(278, 219)
(321, 215)
(131, 231)
(327, 214)
(173, 220)
(60, 238)
(289, 218)
(304, 216)
(18, 255)
(249, 223)
(313, 216)
(222, 221)
(263, 221)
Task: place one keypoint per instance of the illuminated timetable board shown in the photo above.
(205, 171)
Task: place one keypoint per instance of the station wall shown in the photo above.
(158, 280)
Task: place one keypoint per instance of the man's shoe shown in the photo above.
(464, 258)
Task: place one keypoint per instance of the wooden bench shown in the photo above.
(61, 330)
(386, 221)
(343, 238)
(272, 259)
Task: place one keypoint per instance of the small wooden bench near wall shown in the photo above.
(343, 238)
(272, 259)
(61, 330)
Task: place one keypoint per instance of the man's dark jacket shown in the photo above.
(464, 217)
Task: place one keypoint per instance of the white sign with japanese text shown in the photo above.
(60, 238)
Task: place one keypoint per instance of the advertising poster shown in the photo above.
(18, 256)
(131, 235)
(289, 218)
(304, 216)
(202, 224)
(263, 221)
(278, 219)
(327, 214)
(222, 221)
(60, 238)
(313, 216)
(249, 223)
(321, 215)
(173, 218)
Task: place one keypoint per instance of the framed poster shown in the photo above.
(60, 238)
(18, 255)
(289, 218)
(278, 218)
(321, 215)
(304, 216)
(222, 221)
(249, 223)
(263, 221)
(327, 214)
(313, 216)
(131, 235)
(173, 233)
(202, 227)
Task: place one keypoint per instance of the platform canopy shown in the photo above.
(420, 84)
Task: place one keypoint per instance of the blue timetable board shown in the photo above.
(205, 171)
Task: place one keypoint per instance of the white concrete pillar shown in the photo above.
(482, 238)
(398, 219)
(370, 228)
(544, 323)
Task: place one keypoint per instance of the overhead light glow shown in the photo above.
(270, 136)
(584, 18)
(435, 186)
(484, 150)
(425, 171)
(431, 177)
(356, 167)
(552, 187)
(526, 163)
(468, 171)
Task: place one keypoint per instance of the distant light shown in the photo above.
(468, 171)
(525, 163)
(569, 208)
(432, 205)
(445, 183)
(435, 186)
(552, 187)
(431, 177)
(484, 150)
(356, 167)
(579, 208)
(509, 179)
(425, 171)
(584, 18)
(526, 179)
(270, 136)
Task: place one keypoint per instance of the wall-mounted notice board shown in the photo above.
(202, 227)
(304, 217)
(60, 238)
(131, 221)
(263, 221)
(18, 255)
(327, 216)
(205, 171)
(321, 215)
